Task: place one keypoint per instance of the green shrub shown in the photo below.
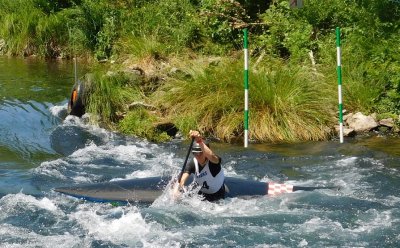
(287, 102)
(172, 23)
(140, 123)
(221, 20)
(109, 94)
(288, 35)
(19, 19)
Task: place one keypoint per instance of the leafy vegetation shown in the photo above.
(140, 123)
(108, 94)
(188, 53)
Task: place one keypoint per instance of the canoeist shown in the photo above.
(207, 170)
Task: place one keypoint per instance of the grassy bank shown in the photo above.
(184, 59)
(286, 103)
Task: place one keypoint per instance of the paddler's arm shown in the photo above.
(179, 187)
(210, 155)
(184, 178)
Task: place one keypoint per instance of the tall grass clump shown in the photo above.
(19, 19)
(109, 94)
(108, 98)
(201, 102)
(61, 34)
(369, 73)
(172, 23)
(30, 28)
(291, 103)
(59, 28)
(139, 122)
(140, 48)
(286, 103)
(369, 53)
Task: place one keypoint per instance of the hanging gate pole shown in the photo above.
(75, 71)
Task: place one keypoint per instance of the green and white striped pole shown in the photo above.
(246, 90)
(339, 74)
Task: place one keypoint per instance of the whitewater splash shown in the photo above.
(363, 213)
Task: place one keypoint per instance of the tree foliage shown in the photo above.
(370, 50)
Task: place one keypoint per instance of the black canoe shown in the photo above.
(147, 190)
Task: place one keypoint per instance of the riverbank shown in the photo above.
(175, 99)
(158, 64)
(41, 151)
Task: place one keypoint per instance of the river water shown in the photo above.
(40, 149)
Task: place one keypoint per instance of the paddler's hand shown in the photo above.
(177, 191)
(196, 135)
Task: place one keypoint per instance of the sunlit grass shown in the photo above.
(27, 30)
(19, 19)
(108, 94)
(140, 47)
(286, 103)
(139, 122)
(166, 42)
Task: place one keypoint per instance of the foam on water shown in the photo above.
(85, 124)
(134, 158)
(123, 159)
(59, 110)
(26, 221)
(357, 215)
(192, 221)
(13, 201)
(229, 169)
(18, 237)
(123, 225)
(303, 219)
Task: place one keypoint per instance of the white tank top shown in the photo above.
(208, 183)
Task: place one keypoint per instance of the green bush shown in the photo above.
(19, 19)
(286, 102)
(109, 94)
(221, 20)
(53, 6)
(140, 123)
(369, 46)
(288, 35)
(294, 99)
(173, 23)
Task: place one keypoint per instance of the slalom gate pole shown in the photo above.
(339, 74)
(75, 71)
(246, 90)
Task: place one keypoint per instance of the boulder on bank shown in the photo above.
(388, 122)
(360, 122)
(347, 132)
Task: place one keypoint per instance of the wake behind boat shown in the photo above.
(147, 190)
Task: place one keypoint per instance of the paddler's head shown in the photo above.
(198, 153)
(196, 150)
